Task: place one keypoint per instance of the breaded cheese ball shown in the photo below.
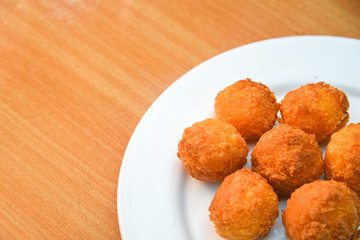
(287, 157)
(212, 149)
(316, 108)
(250, 106)
(322, 210)
(342, 158)
(244, 207)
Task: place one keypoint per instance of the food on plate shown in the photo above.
(316, 108)
(286, 160)
(342, 158)
(322, 210)
(212, 149)
(287, 157)
(250, 106)
(244, 207)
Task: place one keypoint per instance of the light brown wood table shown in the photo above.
(76, 76)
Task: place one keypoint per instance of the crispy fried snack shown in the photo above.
(317, 108)
(212, 149)
(287, 157)
(342, 158)
(322, 210)
(250, 106)
(244, 207)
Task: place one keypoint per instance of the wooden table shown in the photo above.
(76, 77)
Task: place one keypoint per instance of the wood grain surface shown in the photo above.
(76, 76)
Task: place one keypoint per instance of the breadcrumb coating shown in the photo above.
(342, 158)
(212, 149)
(287, 157)
(322, 210)
(316, 108)
(250, 106)
(244, 207)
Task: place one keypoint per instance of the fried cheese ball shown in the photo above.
(244, 207)
(322, 210)
(316, 108)
(287, 157)
(212, 149)
(342, 158)
(250, 106)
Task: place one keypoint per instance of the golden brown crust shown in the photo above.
(342, 158)
(322, 210)
(244, 207)
(250, 106)
(212, 149)
(287, 157)
(318, 109)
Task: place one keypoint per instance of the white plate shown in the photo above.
(156, 197)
